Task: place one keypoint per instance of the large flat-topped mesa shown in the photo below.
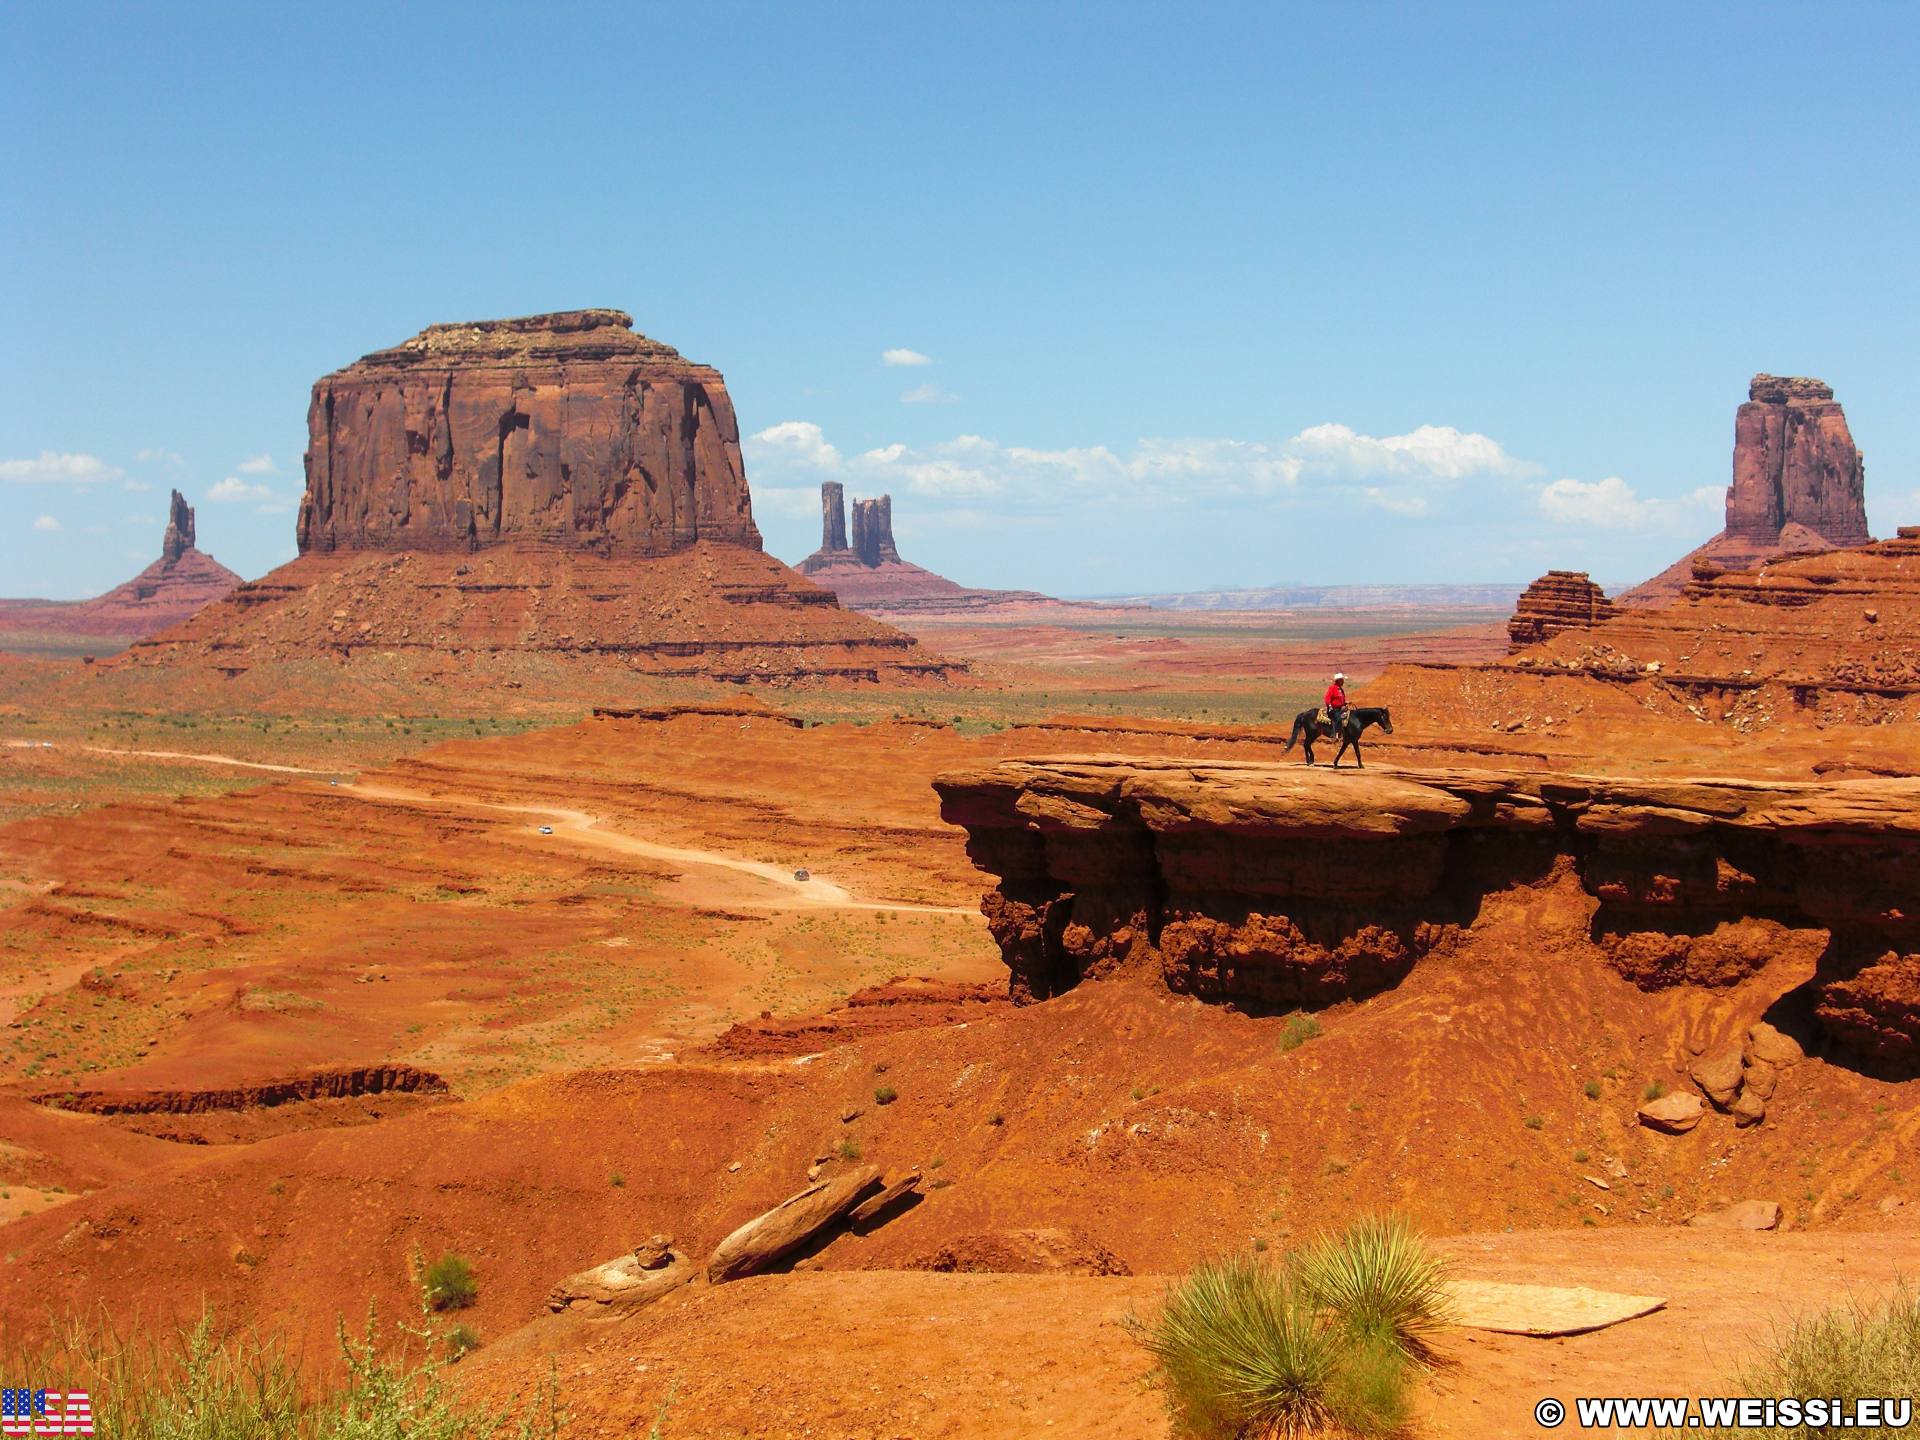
(568, 429)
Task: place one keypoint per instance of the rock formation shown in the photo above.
(181, 582)
(869, 574)
(1264, 885)
(1835, 632)
(552, 502)
(1799, 484)
(1558, 600)
(568, 429)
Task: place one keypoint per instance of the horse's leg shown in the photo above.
(1356, 754)
(1307, 744)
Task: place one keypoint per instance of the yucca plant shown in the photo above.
(1378, 1284)
(1240, 1352)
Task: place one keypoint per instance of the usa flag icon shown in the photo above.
(25, 1410)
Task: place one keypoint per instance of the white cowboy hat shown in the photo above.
(1339, 674)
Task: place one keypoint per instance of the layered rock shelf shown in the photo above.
(1558, 600)
(569, 429)
(1272, 886)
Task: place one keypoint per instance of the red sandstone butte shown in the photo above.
(1799, 483)
(179, 584)
(568, 429)
(1558, 600)
(868, 573)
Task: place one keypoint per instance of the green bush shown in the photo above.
(1847, 1353)
(1297, 1030)
(885, 1095)
(449, 1283)
(1328, 1340)
(1655, 1089)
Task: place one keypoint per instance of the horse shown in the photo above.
(1308, 727)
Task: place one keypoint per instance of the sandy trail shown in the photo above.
(172, 755)
(788, 892)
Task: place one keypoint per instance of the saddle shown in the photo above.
(1323, 718)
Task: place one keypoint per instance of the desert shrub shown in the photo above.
(1297, 1029)
(1328, 1340)
(1378, 1282)
(461, 1340)
(1847, 1353)
(1534, 1122)
(885, 1095)
(449, 1283)
(1591, 1089)
(849, 1149)
(1655, 1089)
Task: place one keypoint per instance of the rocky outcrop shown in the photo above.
(568, 429)
(1837, 633)
(178, 537)
(1272, 887)
(1558, 600)
(651, 1271)
(1799, 484)
(868, 573)
(179, 584)
(767, 1240)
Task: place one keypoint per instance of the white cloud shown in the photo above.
(258, 465)
(1437, 452)
(46, 523)
(233, 490)
(1613, 504)
(154, 455)
(55, 467)
(799, 442)
(928, 395)
(1402, 474)
(133, 486)
(902, 356)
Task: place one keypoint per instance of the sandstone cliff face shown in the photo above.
(567, 429)
(1799, 484)
(1273, 887)
(1558, 600)
(1794, 463)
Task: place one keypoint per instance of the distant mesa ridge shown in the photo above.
(567, 429)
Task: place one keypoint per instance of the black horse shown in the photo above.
(1308, 727)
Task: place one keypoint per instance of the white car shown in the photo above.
(546, 829)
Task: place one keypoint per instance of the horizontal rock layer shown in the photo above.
(569, 429)
(1558, 600)
(1273, 886)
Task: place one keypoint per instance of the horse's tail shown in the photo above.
(1293, 737)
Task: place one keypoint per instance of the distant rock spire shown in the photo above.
(179, 537)
(873, 531)
(833, 516)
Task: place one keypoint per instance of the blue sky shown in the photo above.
(1208, 294)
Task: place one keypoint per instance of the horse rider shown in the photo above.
(1335, 703)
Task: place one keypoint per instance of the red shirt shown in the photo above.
(1336, 697)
